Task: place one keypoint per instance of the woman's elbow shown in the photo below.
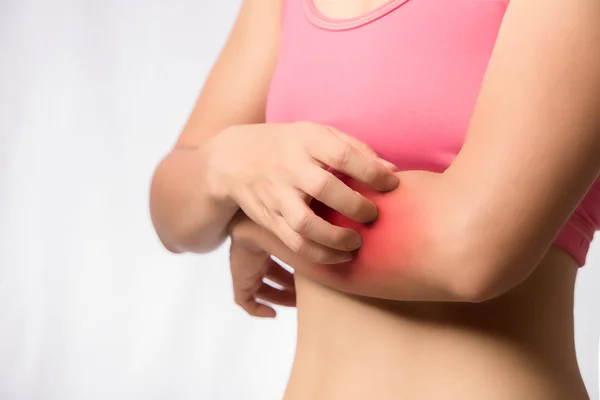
(475, 273)
(179, 238)
(181, 241)
(177, 231)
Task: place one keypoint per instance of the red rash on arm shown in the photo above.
(396, 247)
(387, 240)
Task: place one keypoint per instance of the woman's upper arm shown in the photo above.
(533, 146)
(236, 89)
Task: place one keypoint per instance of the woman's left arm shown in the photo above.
(533, 146)
(531, 153)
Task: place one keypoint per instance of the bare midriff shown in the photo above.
(517, 346)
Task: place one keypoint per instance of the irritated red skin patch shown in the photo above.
(390, 244)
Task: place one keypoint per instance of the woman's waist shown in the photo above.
(343, 338)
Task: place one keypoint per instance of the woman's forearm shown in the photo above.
(434, 240)
(188, 211)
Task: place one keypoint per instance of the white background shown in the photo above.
(92, 94)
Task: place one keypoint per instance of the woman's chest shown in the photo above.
(405, 84)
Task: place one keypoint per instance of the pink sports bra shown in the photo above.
(402, 78)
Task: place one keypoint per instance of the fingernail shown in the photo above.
(353, 243)
(346, 258)
(388, 165)
(374, 217)
(393, 180)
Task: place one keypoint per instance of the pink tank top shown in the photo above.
(403, 78)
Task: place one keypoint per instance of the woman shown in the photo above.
(427, 167)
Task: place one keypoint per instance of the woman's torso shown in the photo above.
(407, 87)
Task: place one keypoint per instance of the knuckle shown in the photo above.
(367, 149)
(297, 244)
(340, 156)
(266, 216)
(308, 125)
(300, 221)
(371, 172)
(305, 127)
(284, 168)
(321, 185)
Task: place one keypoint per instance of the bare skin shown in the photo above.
(516, 346)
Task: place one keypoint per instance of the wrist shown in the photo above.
(217, 184)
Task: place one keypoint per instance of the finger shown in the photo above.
(362, 147)
(365, 148)
(307, 249)
(352, 141)
(303, 220)
(331, 191)
(259, 208)
(245, 299)
(281, 276)
(259, 310)
(247, 266)
(344, 157)
(275, 296)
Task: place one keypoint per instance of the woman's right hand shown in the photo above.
(273, 171)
